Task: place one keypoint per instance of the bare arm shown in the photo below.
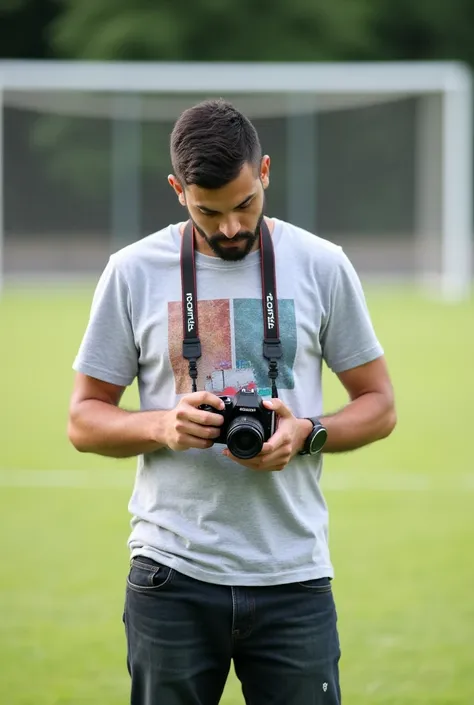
(98, 425)
(369, 416)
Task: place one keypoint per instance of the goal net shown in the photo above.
(374, 157)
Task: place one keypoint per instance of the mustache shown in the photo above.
(237, 238)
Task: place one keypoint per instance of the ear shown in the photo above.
(177, 188)
(265, 171)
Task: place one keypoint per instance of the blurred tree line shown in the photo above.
(248, 30)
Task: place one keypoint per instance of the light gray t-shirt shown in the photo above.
(197, 511)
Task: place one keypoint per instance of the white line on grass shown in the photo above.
(333, 481)
(75, 479)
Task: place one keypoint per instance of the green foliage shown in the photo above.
(423, 30)
(249, 30)
(12, 6)
(213, 30)
(23, 26)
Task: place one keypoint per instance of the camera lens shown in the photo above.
(245, 437)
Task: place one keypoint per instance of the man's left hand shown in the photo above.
(287, 440)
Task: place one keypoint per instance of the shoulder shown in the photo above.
(156, 250)
(311, 252)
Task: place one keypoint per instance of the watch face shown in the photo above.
(318, 440)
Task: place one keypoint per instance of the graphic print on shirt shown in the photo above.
(231, 333)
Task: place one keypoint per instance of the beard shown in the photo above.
(231, 249)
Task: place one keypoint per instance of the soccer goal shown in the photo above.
(375, 157)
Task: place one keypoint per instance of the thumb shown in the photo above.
(279, 407)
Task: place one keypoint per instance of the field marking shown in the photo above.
(75, 479)
(332, 481)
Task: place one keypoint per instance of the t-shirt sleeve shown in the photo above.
(347, 335)
(108, 351)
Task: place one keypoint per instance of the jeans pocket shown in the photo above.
(317, 585)
(147, 575)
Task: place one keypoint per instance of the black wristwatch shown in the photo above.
(316, 439)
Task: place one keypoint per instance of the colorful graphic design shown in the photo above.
(231, 333)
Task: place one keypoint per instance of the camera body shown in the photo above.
(247, 423)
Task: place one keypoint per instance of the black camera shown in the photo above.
(247, 423)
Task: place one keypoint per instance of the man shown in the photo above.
(229, 556)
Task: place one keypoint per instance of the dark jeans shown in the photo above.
(182, 635)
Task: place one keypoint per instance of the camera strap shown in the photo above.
(272, 349)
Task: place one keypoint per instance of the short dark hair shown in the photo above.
(210, 144)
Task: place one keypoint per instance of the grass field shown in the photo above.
(402, 519)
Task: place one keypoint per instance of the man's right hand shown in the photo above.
(187, 426)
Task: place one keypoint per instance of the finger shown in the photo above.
(198, 398)
(278, 406)
(245, 463)
(196, 430)
(281, 454)
(271, 463)
(277, 441)
(185, 441)
(187, 413)
(266, 448)
(280, 444)
(275, 461)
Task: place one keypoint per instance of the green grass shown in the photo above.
(402, 519)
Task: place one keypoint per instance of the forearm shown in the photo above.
(104, 429)
(368, 418)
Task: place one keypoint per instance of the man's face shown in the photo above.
(227, 220)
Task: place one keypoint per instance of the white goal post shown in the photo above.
(444, 127)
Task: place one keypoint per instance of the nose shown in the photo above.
(230, 227)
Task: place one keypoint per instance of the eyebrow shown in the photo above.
(209, 211)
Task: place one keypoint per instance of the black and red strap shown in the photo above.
(272, 349)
